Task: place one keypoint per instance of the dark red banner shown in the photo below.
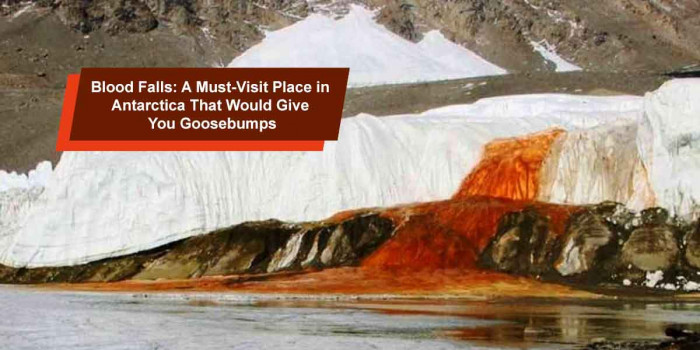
(218, 109)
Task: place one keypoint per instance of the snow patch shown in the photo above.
(691, 286)
(374, 54)
(34, 178)
(548, 52)
(653, 278)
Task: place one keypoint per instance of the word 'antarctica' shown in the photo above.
(199, 105)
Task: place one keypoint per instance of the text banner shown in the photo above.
(218, 109)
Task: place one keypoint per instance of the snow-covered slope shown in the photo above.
(374, 54)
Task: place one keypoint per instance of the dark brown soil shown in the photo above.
(37, 52)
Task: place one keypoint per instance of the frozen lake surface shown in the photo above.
(35, 319)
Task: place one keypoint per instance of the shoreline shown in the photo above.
(349, 284)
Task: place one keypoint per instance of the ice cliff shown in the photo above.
(669, 143)
(102, 204)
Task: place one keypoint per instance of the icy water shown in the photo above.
(34, 319)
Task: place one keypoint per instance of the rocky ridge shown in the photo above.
(607, 35)
(612, 35)
(604, 244)
(250, 248)
(599, 246)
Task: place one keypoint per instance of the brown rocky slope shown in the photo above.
(622, 45)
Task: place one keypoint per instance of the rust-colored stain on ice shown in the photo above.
(510, 168)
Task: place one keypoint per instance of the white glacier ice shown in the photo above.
(17, 193)
(374, 54)
(669, 142)
(34, 178)
(651, 161)
(102, 204)
(14, 206)
(595, 165)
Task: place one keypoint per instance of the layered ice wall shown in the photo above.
(374, 54)
(595, 165)
(15, 204)
(17, 194)
(653, 161)
(103, 204)
(669, 142)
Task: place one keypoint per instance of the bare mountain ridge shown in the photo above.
(620, 44)
(597, 35)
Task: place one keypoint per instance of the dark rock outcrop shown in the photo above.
(650, 248)
(400, 18)
(522, 245)
(692, 247)
(208, 32)
(244, 248)
(656, 244)
(603, 244)
(140, 16)
(114, 16)
(329, 246)
(525, 245)
(256, 247)
(586, 241)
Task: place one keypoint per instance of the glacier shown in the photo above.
(669, 143)
(374, 54)
(103, 204)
